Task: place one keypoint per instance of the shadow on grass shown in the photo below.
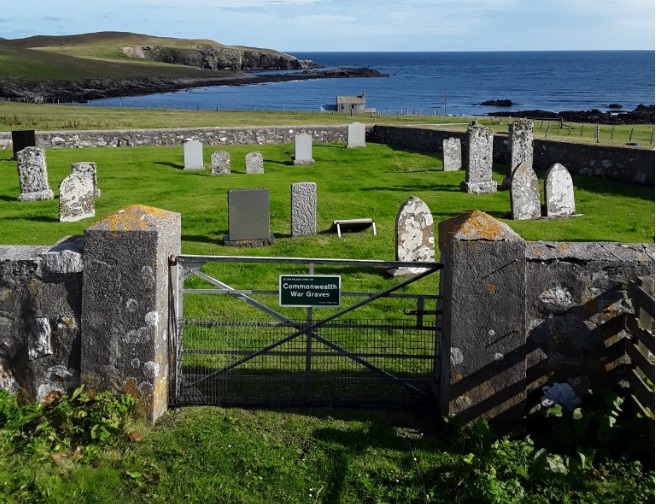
(171, 165)
(36, 218)
(203, 238)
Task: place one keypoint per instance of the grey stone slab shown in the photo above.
(559, 192)
(65, 256)
(356, 135)
(303, 149)
(478, 176)
(76, 198)
(525, 193)
(248, 218)
(221, 164)
(520, 146)
(33, 175)
(452, 154)
(88, 168)
(254, 163)
(21, 139)
(193, 155)
(304, 209)
(414, 238)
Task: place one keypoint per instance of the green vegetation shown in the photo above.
(50, 454)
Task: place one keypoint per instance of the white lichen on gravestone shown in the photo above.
(559, 192)
(33, 175)
(220, 161)
(76, 198)
(452, 154)
(525, 193)
(254, 163)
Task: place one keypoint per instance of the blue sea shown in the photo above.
(440, 83)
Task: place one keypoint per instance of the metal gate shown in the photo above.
(280, 359)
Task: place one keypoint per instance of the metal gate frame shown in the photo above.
(186, 266)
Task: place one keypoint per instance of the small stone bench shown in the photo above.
(353, 225)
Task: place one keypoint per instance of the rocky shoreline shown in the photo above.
(91, 89)
(642, 114)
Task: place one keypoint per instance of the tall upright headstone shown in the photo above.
(248, 218)
(33, 175)
(193, 155)
(303, 149)
(91, 170)
(525, 193)
(415, 239)
(254, 163)
(220, 161)
(478, 178)
(76, 198)
(559, 192)
(356, 135)
(304, 209)
(520, 146)
(452, 154)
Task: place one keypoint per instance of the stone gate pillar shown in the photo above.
(125, 304)
(483, 371)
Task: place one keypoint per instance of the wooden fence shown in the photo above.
(640, 347)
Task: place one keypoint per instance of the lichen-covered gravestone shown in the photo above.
(220, 163)
(304, 209)
(254, 163)
(415, 240)
(356, 135)
(559, 192)
(525, 193)
(90, 169)
(452, 154)
(520, 147)
(33, 175)
(76, 198)
(478, 177)
(193, 155)
(303, 150)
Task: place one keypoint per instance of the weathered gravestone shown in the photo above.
(254, 163)
(356, 135)
(303, 149)
(89, 169)
(559, 192)
(33, 175)
(525, 193)
(520, 147)
(193, 155)
(21, 139)
(452, 154)
(220, 163)
(76, 198)
(248, 218)
(478, 178)
(415, 240)
(304, 209)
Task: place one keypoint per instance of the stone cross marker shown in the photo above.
(248, 218)
(452, 154)
(478, 178)
(415, 239)
(254, 163)
(304, 209)
(193, 155)
(525, 193)
(89, 169)
(220, 163)
(356, 135)
(559, 192)
(520, 146)
(33, 175)
(76, 198)
(303, 149)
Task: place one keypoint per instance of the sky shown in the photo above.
(352, 25)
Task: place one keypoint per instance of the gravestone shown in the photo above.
(559, 192)
(303, 150)
(520, 146)
(525, 193)
(304, 209)
(478, 177)
(415, 240)
(21, 139)
(89, 169)
(220, 163)
(248, 218)
(76, 198)
(356, 136)
(33, 175)
(452, 154)
(254, 163)
(193, 155)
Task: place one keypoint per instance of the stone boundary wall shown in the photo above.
(176, 136)
(626, 164)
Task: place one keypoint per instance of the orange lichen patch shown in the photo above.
(491, 289)
(564, 246)
(133, 218)
(475, 225)
(131, 387)
(51, 397)
(539, 251)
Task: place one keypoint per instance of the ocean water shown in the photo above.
(455, 83)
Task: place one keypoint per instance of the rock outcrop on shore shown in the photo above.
(642, 114)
